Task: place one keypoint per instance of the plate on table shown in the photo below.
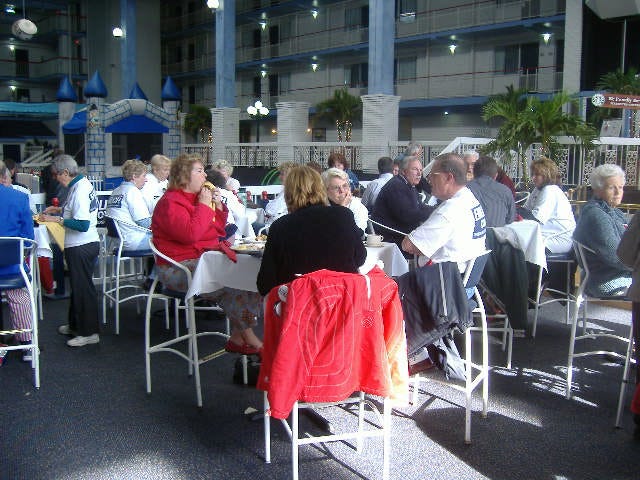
(255, 248)
(379, 245)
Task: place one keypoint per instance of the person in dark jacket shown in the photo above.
(398, 206)
(311, 237)
(496, 199)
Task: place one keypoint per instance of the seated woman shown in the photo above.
(16, 222)
(339, 161)
(128, 205)
(311, 237)
(157, 180)
(550, 206)
(336, 182)
(226, 169)
(188, 221)
(600, 227)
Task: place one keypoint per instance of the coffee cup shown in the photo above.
(373, 240)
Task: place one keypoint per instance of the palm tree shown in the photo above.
(343, 109)
(515, 134)
(197, 123)
(527, 120)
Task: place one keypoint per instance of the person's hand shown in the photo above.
(409, 247)
(51, 210)
(205, 196)
(49, 218)
(217, 199)
(347, 199)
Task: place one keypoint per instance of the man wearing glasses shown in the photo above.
(456, 230)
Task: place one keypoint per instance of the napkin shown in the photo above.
(56, 231)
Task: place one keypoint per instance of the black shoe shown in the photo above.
(421, 366)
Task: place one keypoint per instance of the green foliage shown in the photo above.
(198, 120)
(527, 120)
(343, 109)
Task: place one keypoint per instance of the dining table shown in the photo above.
(525, 235)
(215, 270)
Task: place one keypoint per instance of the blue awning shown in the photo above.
(131, 124)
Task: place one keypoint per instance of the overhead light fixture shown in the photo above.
(117, 32)
(314, 12)
(446, 113)
(213, 4)
(546, 36)
(263, 24)
(10, 9)
(452, 48)
(12, 88)
(263, 73)
(314, 66)
(12, 48)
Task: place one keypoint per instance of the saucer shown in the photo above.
(374, 245)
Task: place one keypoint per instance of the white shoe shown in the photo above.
(65, 330)
(81, 341)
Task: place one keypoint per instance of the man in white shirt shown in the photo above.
(336, 182)
(385, 168)
(456, 230)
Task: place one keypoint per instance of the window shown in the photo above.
(257, 38)
(257, 87)
(192, 94)
(191, 52)
(273, 85)
(274, 35)
(559, 55)
(357, 17)
(356, 76)
(285, 83)
(406, 10)
(405, 70)
(517, 58)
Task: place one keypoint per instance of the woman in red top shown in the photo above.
(187, 221)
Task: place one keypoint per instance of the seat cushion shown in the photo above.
(11, 282)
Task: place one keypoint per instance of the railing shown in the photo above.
(252, 154)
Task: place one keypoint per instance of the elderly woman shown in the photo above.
(157, 180)
(311, 237)
(550, 206)
(79, 217)
(226, 169)
(600, 227)
(339, 161)
(188, 221)
(127, 204)
(336, 182)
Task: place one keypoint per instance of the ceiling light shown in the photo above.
(314, 66)
(117, 32)
(452, 48)
(446, 113)
(9, 9)
(314, 12)
(263, 24)
(546, 36)
(263, 73)
(213, 4)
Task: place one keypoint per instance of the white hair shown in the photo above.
(601, 173)
(333, 172)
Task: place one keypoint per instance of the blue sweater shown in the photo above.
(15, 219)
(600, 227)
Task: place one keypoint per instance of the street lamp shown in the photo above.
(257, 111)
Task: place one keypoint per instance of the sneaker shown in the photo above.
(81, 341)
(65, 330)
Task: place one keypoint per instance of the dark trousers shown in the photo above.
(83, 305)
(58, 269)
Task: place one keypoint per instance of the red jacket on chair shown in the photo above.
(334, 335)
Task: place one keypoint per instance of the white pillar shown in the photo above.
(379, 128)
(572, 46)
(225, 128)
(66, 110)
(293, 120)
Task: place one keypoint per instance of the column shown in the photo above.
(171, 141)
(128, 46)
(572, 46)
(381, 42)
(95, 141)
(225, 128)
(379, 128)
(293, 119)
(226, 55)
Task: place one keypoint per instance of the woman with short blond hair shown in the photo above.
(312, 236)
(226, 169)
(157, 180)
(551, 207)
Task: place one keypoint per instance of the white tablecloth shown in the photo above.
(215, 270)
(527, 236)
(393, 262)
(41, 235)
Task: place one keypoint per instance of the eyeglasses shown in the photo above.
(338, 188)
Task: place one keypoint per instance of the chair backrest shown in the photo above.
(473, 272)
(581, 250)
(13, 251)
(158, 253)
(113, 230)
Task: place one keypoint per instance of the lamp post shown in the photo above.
(257, 111)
